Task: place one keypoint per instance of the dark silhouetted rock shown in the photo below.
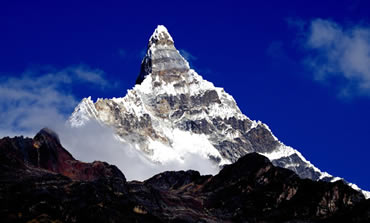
(40, 181)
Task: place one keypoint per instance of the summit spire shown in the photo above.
(162, 58)
(161, 36)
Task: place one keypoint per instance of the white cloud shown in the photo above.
(93, 141)
(90, 76)
(34, 100)
(337, 52)
(187, 55)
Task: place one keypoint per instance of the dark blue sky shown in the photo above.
(257, 51)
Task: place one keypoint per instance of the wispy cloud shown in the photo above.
(88, 75)
(339, 54)
(93, 141)
(188, 56)
(191, 59)
(39, 98)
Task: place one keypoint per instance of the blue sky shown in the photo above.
(302, 67)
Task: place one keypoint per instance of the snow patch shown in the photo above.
(355, 187)
(161, 32)
(83, 112)
(182, 144)
(280, 152)
(285, 151)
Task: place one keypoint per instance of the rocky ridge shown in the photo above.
(41, 188)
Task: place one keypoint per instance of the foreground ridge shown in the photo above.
(46, 188)
(173, 111)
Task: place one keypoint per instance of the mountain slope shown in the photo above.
(250, 190)
(173, 111)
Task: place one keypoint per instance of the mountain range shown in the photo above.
(42, 182)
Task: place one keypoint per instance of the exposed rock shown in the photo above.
(44, 151)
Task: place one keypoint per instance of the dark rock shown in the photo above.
(262, 139)
(301, 167)
(58, 188)
(253, 188)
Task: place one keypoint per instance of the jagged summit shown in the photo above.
(48, 133)
(161, 36)
(162, 60)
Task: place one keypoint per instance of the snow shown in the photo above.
(132, 103)
(324, 175)
(195, 85)
(83, 112)
(118, 100)
(280, 152)
(366, 193)
(355, 187)
(335, 179)
(285, 151)
(183, 143)
(160, 32)
(146, 87)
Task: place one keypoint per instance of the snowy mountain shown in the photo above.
(172, 111)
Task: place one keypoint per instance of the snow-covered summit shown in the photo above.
(172, 111)
(161, 36)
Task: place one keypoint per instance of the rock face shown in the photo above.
(250, 190)
(45, 152)
(172, 111)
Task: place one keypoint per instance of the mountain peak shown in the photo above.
(48, 133)
(172, 111)
(161, 36)
(162, 59)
